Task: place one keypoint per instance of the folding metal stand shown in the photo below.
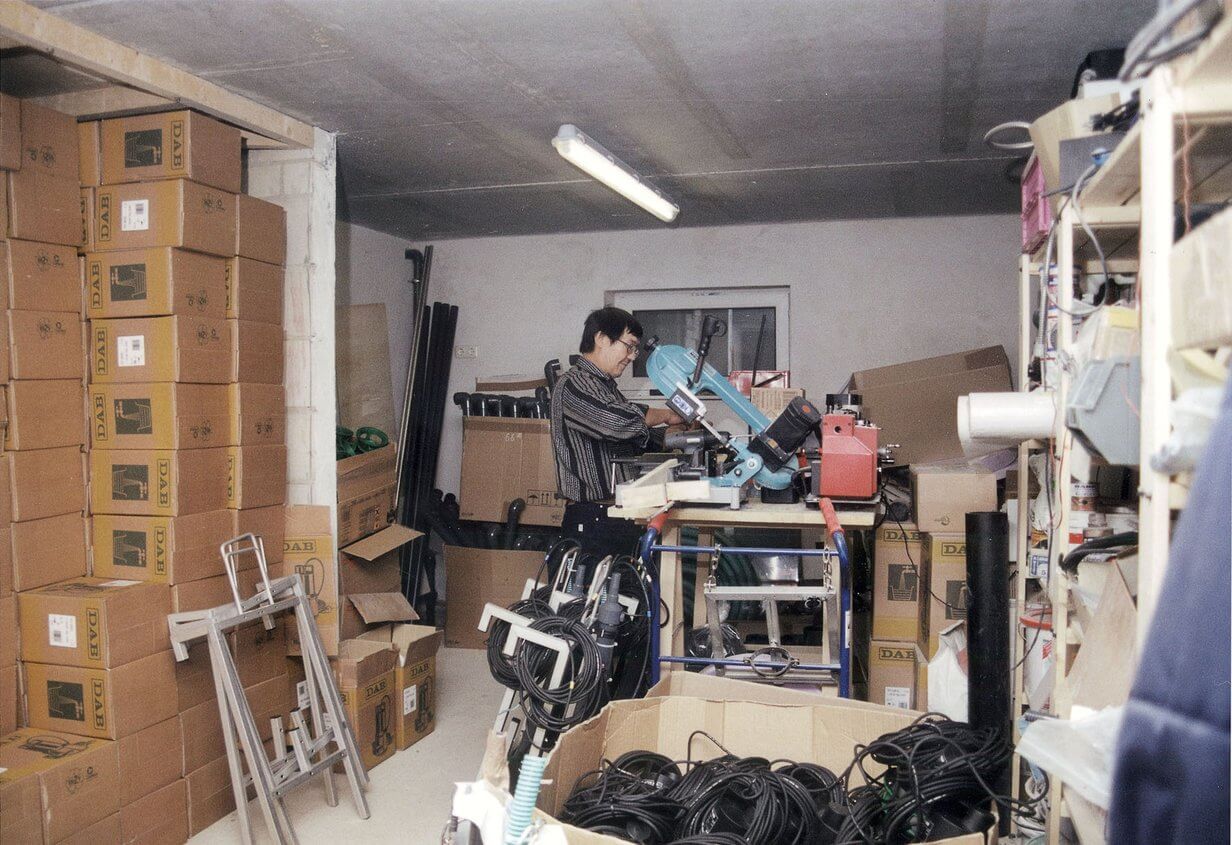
(756, 667)
(311, 752)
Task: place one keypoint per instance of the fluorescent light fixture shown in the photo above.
(587, 155)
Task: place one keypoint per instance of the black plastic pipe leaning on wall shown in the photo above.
(988, 626)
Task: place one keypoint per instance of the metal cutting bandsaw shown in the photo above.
(843, 468)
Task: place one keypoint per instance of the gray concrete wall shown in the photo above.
(863, 293)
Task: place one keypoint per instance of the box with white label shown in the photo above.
(897, 674)
(194, 350)
(173, 212)
(94, 622)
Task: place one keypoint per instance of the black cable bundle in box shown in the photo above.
(936, 783)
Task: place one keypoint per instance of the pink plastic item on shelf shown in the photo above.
(1036, 209)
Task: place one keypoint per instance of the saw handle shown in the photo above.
(711, 327)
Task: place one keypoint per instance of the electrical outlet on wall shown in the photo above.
(466, 352)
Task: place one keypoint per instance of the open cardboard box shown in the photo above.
(736, 713)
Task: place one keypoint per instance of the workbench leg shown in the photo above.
(670, 590)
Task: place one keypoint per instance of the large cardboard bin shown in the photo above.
(806, 728)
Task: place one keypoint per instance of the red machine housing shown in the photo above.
(849, 460)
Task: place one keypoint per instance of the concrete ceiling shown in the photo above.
(740, 111)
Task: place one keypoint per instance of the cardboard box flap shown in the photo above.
(940, 365)
(382, 542)
(416, 642)
(359, 661)
(376, 608)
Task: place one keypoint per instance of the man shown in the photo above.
(592, 423)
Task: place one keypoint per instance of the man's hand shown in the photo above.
(662, 416)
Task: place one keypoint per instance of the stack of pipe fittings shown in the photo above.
(500, 405)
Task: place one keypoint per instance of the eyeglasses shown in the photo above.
(634, 349)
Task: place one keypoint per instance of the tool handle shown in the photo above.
(711, 326)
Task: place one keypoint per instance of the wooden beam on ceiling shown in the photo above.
(110, 100)
(74, 45)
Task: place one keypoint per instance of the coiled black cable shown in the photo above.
(581, 692)
(931, 778)
(499, 665)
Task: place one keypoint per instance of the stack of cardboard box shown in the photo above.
(920, 579)
(169, 483)
(42, 371)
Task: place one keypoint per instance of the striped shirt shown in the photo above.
(592, 423)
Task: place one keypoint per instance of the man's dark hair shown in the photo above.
(613, 322)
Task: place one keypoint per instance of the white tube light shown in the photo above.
(590, 157)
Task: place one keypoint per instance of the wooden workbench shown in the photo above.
(754, 514)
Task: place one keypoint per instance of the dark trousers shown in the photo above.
(598, 533)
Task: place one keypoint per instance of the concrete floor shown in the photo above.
(411, 793)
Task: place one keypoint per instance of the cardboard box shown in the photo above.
(257, 414)
(254, 291)
(201, 727)
(94, 623)
(44, 345)
(161, 549)
(507, 459)
(268, 523)
(260, 230)
(176, 213)
(48, 550)
(210, 796)
(366, 680)
(11, 714)
(42, 483)
(414, 678)
(37, 276)
(160, 818)
(823, 731)
(169, 145)
(194, 682)
(211, 592)
(6, 561)
(10, 133)
(158, 482)
(916, 403)
(149, 760)
(43, 414)
(9, 630)
(943, 495)
(54, 784)
(87, 218)
(195, 350)
(42, 207)
(896, 583)
(104, 703)
(256, 476)
(155, 282)
(261, 655)
(308, 551)
(257, 353)
(367, 489)
(4, 205)
(158, 415)
(897, 674)
(107, 830)
(371, 565)
(49, 142)
(944, 570)
(474, 577)
(89, 167)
